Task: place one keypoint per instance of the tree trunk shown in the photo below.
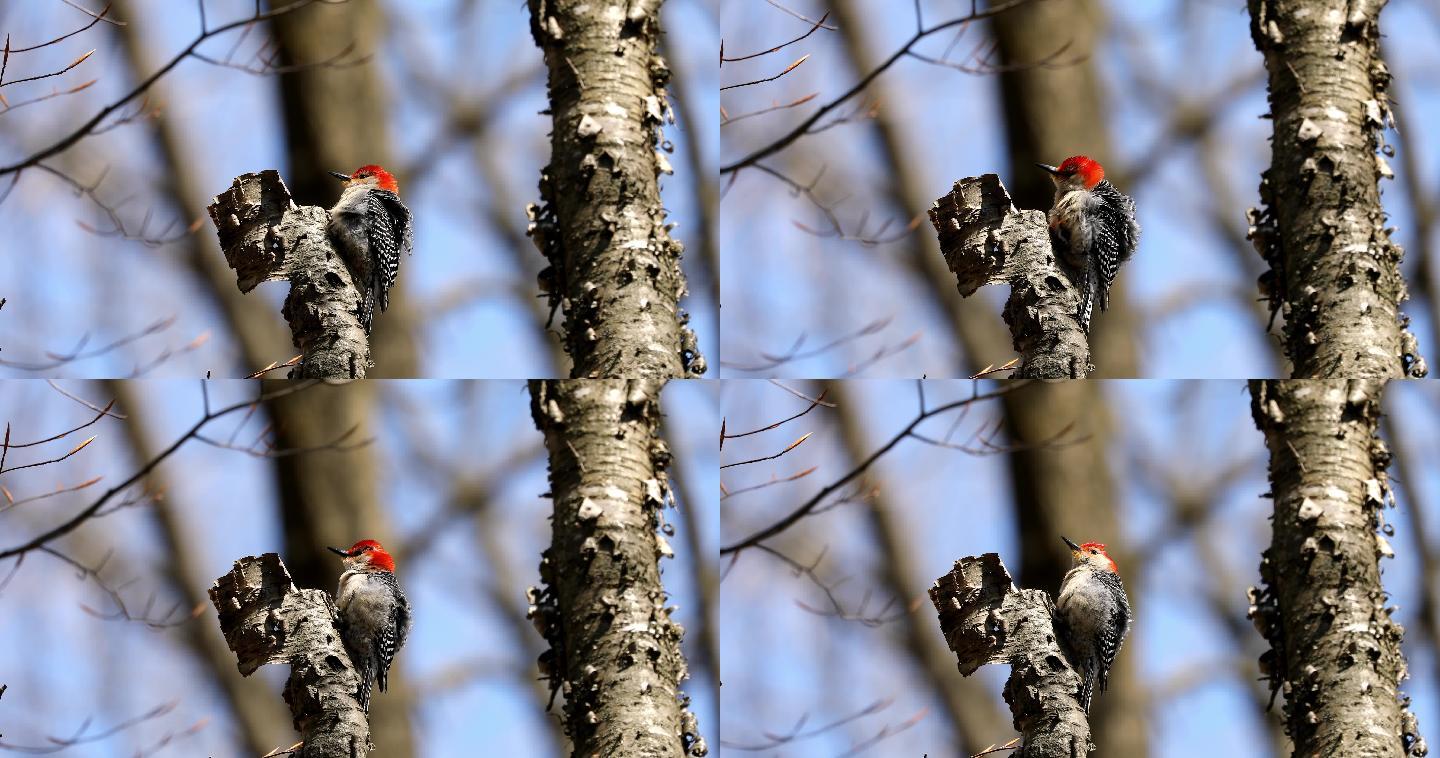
(1067, 490)
(987, 619)
(337, 118)
(331, 497)
(614, 650)
(266, 619)
(266, 236)
(1025, 37)
(985, 240)
(614, 269)
(1334, 267)
(1335, 651)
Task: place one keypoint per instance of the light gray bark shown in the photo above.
(1335, 650)
(987, 619)
(267, 237)
(614, 649)
(1335, 272)
(614, 268)
(265, 619)
(985, 240)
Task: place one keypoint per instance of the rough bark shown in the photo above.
(614, 269)
(1335, 272)
(335, 119)
(614, 649)
(1335, 650)
(987, 619)
(985, 240)
(331, 496)
(1064, 32)
(267, 237)
(969, 709)
(267, 620)
(973, 323)
(1061, 477)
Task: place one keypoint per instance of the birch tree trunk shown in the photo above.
(1335, 272)
(614, 269)
(1335, 651)
(614, 650)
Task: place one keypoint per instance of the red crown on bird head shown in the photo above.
(383, 179)
(1086, 547)
(373, 553)
(1090, 170)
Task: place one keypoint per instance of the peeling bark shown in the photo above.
(985, 240)
(1334, 270)
(614, 649)
(987, 619)
(614, 271)
(1335, 650)
(266, 237)
(265, 619)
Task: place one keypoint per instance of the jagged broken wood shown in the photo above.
(987, 619)
(267, 237)
(986, 240)
(266, 619)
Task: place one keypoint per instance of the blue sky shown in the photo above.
(781, 282)
(65, 284)
(64, 665)
(783, 662)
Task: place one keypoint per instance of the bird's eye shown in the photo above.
(1094, 552)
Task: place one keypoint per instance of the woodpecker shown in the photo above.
(1094, 615)
(370, 228)
(1092, 228)
(374, 614)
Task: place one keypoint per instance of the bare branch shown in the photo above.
(90, 126)
(805, 126)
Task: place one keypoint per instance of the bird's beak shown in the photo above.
(346, 553)
(340, 176)
(1053, 172)
(1074, 548)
